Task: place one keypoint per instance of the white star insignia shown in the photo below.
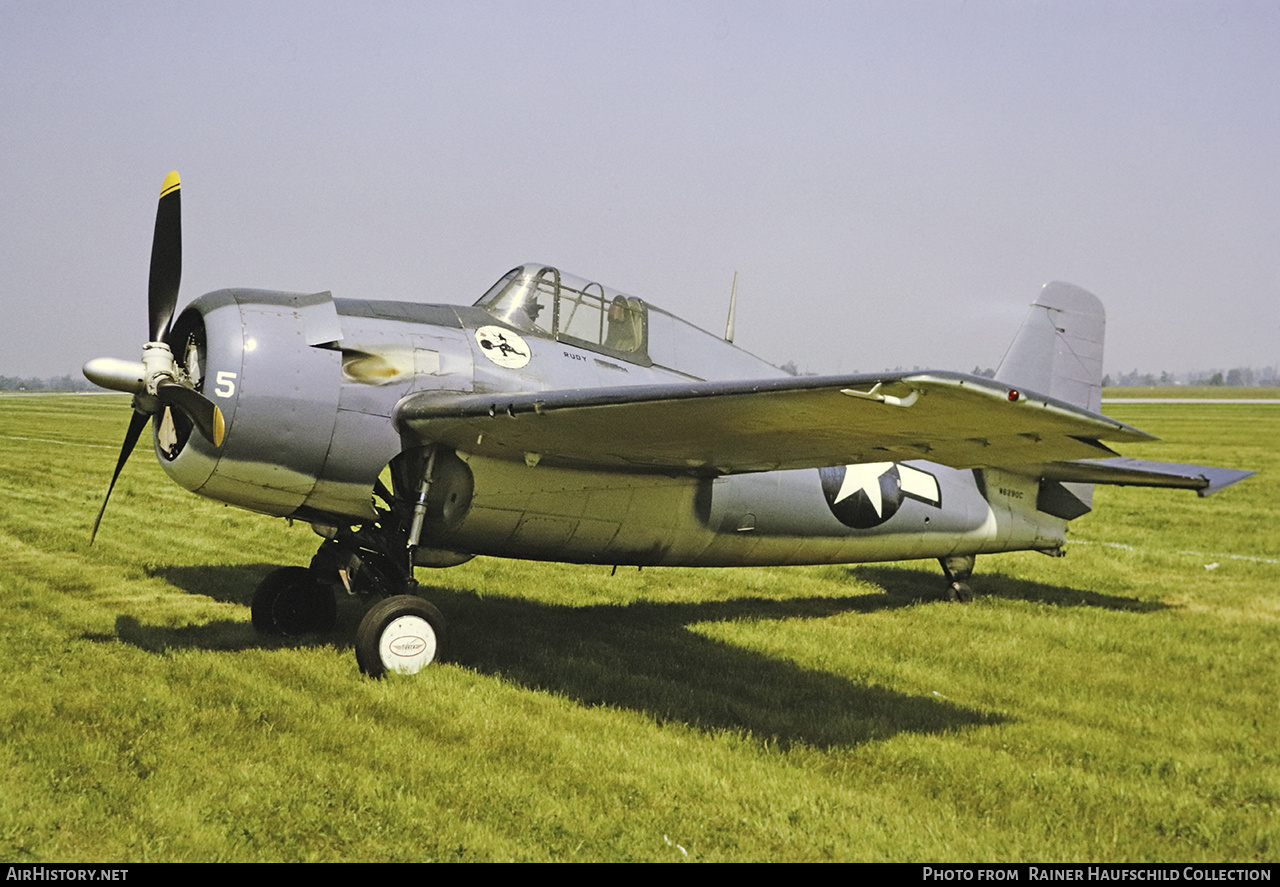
(864, 477)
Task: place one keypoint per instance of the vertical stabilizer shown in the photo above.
(1058, 350)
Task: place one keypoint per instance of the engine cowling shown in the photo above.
(261, 356)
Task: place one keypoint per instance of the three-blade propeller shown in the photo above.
(157, 382)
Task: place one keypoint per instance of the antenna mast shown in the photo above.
(733, 308)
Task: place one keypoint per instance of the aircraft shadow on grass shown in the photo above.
(900, 582)
(640, 656)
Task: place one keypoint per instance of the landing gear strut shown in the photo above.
(430, 488)
(958, 568)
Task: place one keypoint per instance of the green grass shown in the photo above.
(1201, 391)
(1116, 705)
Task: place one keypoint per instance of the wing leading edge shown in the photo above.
(733, 427)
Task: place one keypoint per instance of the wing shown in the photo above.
(719, 427)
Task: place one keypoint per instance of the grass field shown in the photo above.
(1118, 705)
(1220, 392)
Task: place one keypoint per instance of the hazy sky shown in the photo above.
(892, 181)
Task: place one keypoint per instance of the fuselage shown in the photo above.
(309, 385)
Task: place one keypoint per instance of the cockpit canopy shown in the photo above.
(538, 299)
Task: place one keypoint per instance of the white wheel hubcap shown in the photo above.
(407, 645)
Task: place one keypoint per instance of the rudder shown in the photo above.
(1058, 349)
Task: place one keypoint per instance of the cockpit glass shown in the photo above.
(524, 298)
(539, 299)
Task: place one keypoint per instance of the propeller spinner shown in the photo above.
(157, 381)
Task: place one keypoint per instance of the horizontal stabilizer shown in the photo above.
(770, 424)
(1122, 472)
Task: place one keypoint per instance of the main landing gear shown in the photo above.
(291, 602)
(958, 568)
(401, 632)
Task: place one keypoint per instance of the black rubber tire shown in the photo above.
(960, 593)
(405, 620)
(290, 602)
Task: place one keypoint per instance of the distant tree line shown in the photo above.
(58, 383)
(1240, 377)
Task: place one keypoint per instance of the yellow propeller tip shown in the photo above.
(171, 183)
(219, 427)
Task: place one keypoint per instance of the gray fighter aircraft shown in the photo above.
(557, 419)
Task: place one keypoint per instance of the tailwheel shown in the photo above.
(402, 634)
(958, 568)
(290, 602)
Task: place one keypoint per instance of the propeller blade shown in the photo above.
(166, 259)
(202, 412)
(136, 424)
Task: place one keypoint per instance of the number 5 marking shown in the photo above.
(226, 384)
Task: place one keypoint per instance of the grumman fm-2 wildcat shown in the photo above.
(557, 419)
